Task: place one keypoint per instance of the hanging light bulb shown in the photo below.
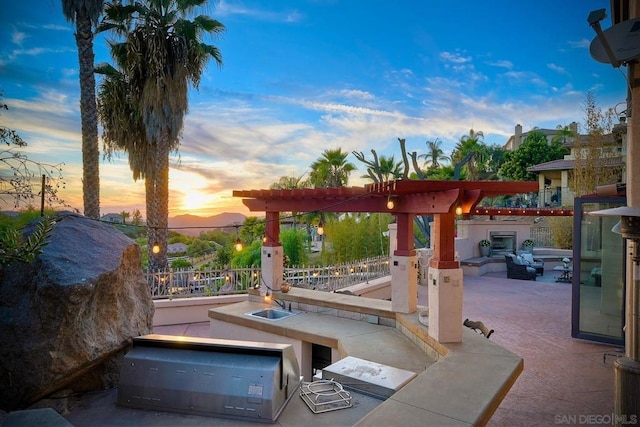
(320, 228)
(390, 203)
(458, 210)
(238, 245)
(155, 248)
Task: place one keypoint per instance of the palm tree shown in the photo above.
(85, 13)
(160, 56)
(471, 151)
(563, 133)
(290, 183)
(331, 170)
(434, 155)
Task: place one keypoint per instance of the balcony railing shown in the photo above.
(186, 283)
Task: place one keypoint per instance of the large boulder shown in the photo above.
(67, 318)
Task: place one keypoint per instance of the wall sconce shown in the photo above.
(155, 248)
(458, 210)
(320, 228)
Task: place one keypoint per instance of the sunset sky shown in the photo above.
(301, 76)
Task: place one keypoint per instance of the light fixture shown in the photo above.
(458, 210)
(238, 245)
(155, 248)
(390, 203)
(320, 228)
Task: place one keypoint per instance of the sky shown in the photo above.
(300, 77)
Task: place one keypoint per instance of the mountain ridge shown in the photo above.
(192, 225)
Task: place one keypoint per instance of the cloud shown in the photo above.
(579, 44)
(231, 8)
(455, 58)
(557, 68)
(502, 64)
(17, 37)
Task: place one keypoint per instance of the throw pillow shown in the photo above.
(528, 258)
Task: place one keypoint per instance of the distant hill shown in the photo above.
(212, 223)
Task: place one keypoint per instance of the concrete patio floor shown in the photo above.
(564, 379)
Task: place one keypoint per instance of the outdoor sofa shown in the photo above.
(518, 269)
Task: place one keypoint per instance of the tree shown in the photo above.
(85, 13)
(331, 170)
(290, 183)
(15, 246)
(136, 218)
(293, 246)
(380, 169)
(434, 154)
(496, 156)
(470, 145)
(143, 102)
(596, 158)
(563, 134)
(534, 150)
(25, 179)
(124, 215)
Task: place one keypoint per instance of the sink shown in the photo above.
(272, 313)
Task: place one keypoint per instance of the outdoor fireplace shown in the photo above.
(503, 242)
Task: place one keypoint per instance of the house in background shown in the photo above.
(176, 248)
(114, 218)
(518, 137)
(554, 176)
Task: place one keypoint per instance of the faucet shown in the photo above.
(282, 304)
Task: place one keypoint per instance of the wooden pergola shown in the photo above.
(412, 197)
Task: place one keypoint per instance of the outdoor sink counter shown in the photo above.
(456, 384)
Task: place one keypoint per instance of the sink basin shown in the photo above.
(272, 313)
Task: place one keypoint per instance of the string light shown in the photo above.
(390, 203)
(320, 228)
(155, 248)
(458, 210)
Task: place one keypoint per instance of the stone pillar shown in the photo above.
(404, 284)
(445, 304)
(272, 266)
(404, 266)
(393, 238)
(445, 283)
(424, 256)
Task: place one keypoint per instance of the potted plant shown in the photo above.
(527, 245)
(485, 247)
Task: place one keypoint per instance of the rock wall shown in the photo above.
(71, 313)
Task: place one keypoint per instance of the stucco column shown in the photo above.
(445, 283)
(272, 253)
(272, 266)
(404, 267)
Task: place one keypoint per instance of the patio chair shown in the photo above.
(529, 260)
(516, 270)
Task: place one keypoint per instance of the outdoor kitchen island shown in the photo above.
(455, 384)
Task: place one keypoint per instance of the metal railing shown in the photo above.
(184, 283)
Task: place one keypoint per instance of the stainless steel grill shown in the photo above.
(242, 380)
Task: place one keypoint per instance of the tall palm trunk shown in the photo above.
(157, 201)
(89, 118)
